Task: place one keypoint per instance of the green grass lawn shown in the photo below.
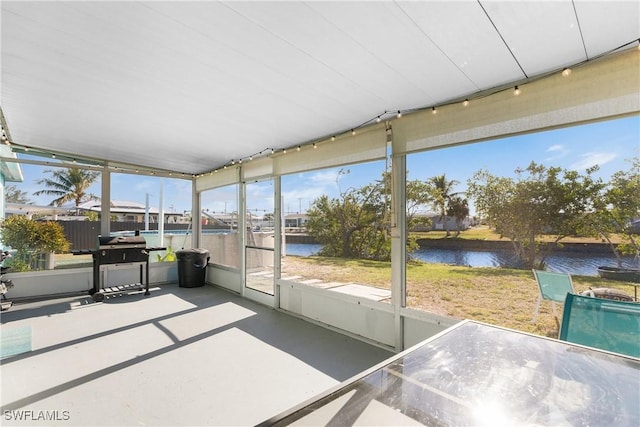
(500, 296)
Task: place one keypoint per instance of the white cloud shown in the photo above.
(325, 177)
(146, 185)
(301, 198)
(259, 190)
(308, 187)
(593, 158)
(556, 151)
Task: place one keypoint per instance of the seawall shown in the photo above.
(479, 245)
(300, 238)
(488, 245)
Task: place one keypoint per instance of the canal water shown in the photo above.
(585, 264)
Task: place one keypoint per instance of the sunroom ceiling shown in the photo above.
(189, 86)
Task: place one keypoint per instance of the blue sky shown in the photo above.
(606, 144)
(126, 187)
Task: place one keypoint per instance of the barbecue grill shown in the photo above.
(119, 250)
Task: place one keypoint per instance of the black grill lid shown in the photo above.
(115, 241)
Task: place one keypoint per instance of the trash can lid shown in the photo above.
(192, 254)
(193, 251)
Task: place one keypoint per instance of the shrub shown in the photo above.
(31, 239)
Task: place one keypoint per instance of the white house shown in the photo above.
(125, 210)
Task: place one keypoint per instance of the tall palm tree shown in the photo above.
(442, 193)
(67, 185)
(459, 209)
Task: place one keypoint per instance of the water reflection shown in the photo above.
(561, 262)
(469, 258)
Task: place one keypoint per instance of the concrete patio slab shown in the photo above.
(181, 356)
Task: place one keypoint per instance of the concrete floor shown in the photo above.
(181, 356)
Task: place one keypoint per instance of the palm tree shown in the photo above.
(459, 209)
(15, 195)
(67, 185)
(442, 194)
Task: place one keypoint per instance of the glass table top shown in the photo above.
(476, 374)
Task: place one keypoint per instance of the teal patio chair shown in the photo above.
(553, 287)
(602, 323)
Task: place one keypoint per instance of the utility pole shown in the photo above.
(299, 210)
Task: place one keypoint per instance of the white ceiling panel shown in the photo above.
(188, 86)
(464, 33)
(372, 35)
(333, 52)
(621, 24)
(535, 30)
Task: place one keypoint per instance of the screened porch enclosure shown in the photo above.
(253, 117)
(250, 263)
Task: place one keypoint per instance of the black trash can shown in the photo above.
(192, 267)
